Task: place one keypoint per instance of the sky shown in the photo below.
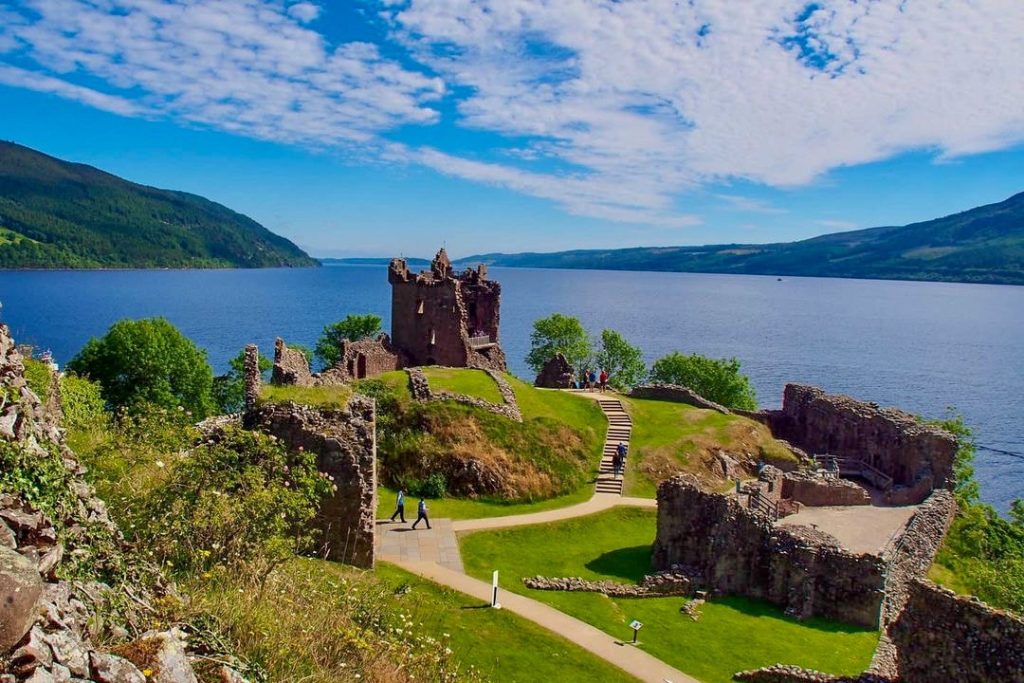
(384, 127)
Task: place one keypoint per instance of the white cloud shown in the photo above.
(611, 108)
(836, 224)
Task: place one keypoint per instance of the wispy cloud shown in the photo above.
(614, 110)
(836, 224)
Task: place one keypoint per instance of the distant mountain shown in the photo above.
(985, 244)
(57, 214)
(372, 261)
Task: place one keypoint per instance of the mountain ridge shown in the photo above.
(62, 214)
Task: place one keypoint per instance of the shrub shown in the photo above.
(623, 361)
(147, 361)
(228, 390)
(352, 328)
(718, 380)
(242, 501)
(81, 401)
(434, 486)
(558, 334)
(38, 377)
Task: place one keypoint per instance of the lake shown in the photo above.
(918, 345)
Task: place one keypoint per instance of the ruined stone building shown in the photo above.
(439, 317)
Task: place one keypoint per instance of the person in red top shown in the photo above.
(603, 379)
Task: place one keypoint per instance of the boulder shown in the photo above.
(162, 655)
(20, 588)
(556, 374)
(107, 668)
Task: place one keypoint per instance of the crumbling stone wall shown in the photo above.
(727, 549)
(808, 488)
(677, 394)
(655, 585)
(440, 318)
(941, 636)
(346, 448)
(252, 378)
(290, 366)
(368, 358)
(419, 389)
(556, 374)
(918, 457)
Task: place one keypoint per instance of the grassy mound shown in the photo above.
(669, 438)
(732, 633)
(475, 383)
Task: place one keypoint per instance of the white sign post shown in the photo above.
(494, 590)
(636, 626)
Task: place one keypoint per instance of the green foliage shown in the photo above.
(623, 361)
(238, 501)
(148, 362)
(558, 333)
(718, 380)
(81, 401)
(983, 552)
(228, 390)
(54, 214)
(352, 328)
(38, 376)
(475, 383)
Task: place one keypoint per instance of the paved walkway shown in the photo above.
(623, 655)
(598, 503)
(858, 528)
(401, 543)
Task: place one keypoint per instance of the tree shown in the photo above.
(623, 361)
(718, 380)
(229, 389)
(352, 328)
(147, 361)
(558, 334)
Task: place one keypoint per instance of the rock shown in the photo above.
(556, 374)
(40, 675)
(70, 652)
(107, 668)
(24, 523)
(229, 675)
(33, 653)
(50, 561)
(163, 654)
(7, 537)
(61, 674)
(20, 588)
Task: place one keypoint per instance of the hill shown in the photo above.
(57, 214)
(984, 244)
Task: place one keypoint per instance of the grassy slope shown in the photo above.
(671, 436)
(300, 626)
(732, 633)
(475, 383)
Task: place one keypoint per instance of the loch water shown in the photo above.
(922, 346)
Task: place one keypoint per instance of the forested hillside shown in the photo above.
(56, 214)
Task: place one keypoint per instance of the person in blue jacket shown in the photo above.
(399, 506)
(421, 514)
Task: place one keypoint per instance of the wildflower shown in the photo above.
(160, 464)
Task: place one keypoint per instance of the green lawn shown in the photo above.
(465, 508)
(667, 436)
(500, 644)
(475, 383)
(732, 634)
(327, 397)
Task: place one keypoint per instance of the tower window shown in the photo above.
(419, 306)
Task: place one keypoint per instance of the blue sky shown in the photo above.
(382, 127)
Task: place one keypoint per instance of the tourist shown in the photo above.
(421, 514)
(617, 464)
(621, 451)
(603, 379)
(592, 379)
(399, 506)
(584, 381)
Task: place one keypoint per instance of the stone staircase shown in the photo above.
(620, 426)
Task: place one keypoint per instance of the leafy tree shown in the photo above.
(718, 380)
(558, 333)
(352, 328)
(229, 389)
(623, 361)
(147, 361)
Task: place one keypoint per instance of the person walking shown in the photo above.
(592, 379)
(399, 506)
(621, 451)
(603, 379)
(616, 464)
(421, 514)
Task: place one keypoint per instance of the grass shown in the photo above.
(317, 621)
(732, 634)
(673, 437)
(466, 508)
(327, 397)
(475, 383)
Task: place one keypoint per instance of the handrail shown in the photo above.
(759, 503)
(851, 465)
(481, 340)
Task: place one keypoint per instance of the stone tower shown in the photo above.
(439, 317)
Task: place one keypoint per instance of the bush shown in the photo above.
(38, 377)
(149, 361)
(558, 334)
(623, 361)
(434, 486)
(82, 403)
(718, 380)
(243, 501)
(352, 328)
(228, 390)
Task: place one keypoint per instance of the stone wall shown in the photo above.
(419, 389)
(290, 366)
(346, 448)
(252, 378)
(677, 394)
(368, 358)
(656, 585)
(917, 456)
(556, 374)
(725, 548)
(808, 488)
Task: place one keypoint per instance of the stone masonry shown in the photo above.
(346, 448)
(677, 394)
(439, 317)
(556, 374)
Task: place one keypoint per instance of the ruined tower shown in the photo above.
(439, 317)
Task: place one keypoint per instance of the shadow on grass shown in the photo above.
(625, 563)
(766, 610)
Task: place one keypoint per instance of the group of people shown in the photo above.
(619, 459)
(421, 510)
(590, 379)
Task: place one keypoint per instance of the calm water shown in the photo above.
(921, 346)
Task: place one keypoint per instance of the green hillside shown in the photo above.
(56, 214)
(985, 244)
